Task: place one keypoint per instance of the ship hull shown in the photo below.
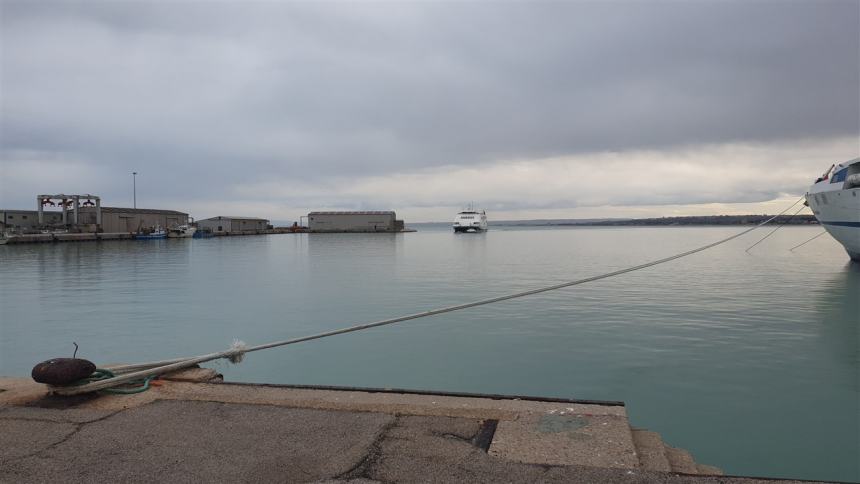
(181, 233)
(838, 211)
(459, 230)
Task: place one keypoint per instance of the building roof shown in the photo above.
(131, 210)
(104, 210)
(366, 212)
(231, 217)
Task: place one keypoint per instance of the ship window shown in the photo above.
(839, 176)
(11, 217)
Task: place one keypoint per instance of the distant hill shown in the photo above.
(708, 220)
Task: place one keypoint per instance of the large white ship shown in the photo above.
(835, 202)
(470, 221)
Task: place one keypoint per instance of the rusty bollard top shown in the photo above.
(62, 371)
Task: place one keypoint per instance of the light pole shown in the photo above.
(134, 186)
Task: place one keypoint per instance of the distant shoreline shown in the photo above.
(664, 221)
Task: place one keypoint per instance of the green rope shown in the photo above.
(103, 374)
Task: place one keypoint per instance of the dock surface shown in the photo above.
(189, 429)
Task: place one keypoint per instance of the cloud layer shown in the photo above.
(273, 107)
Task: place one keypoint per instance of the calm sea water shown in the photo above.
(750, 361)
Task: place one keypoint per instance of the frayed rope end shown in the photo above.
(238, 351)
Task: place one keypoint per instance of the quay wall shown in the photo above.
(91, 236)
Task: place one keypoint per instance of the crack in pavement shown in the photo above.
(78, 426)
(364, 467)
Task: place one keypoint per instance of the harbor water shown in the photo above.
(749, 360)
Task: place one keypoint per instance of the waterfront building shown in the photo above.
(26, 220)
(359, 221)
(120, 219)
(224, 224)
(113, 219)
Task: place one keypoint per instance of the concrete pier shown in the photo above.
(192, 427)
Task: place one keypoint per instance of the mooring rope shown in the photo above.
(807, 241)
(777, 227)
(235, 353)
(103, 374)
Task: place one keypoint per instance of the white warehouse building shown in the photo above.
(224, 224)
(364, 221)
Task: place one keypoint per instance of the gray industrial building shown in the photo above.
(224, 224)
(365, 221)
(26, 220)
(113, 219)
(117, 219)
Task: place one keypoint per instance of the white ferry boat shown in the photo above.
(835, 201)
(470, 221)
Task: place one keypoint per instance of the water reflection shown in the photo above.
(837, 302)
(338, 245)
(342, 268)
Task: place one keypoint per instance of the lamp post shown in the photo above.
(134, 187)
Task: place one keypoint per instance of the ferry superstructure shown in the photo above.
(835, 201)
(470, 221)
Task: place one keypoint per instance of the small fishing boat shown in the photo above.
(835, 201)
(470, 220)
(153, 234)
(181, 232)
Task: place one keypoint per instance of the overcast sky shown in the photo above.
(530, 110)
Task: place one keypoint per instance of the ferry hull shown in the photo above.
(838, 211)
(468, 229)
(849, 237)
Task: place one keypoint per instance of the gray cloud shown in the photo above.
(203, 97)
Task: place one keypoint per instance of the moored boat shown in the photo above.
(153, 234)
(181, 232)
(835, 201)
